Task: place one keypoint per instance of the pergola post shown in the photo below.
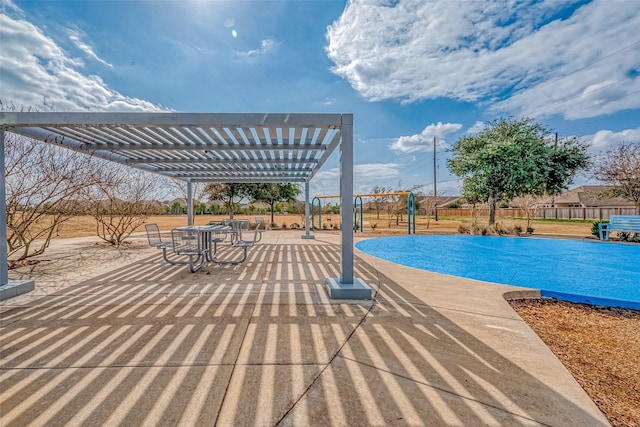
(189, 203)
(347, 286)
(4, 269)
(8, 288)
(346, 196)
(306, 234)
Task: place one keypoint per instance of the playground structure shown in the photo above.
(359, 213)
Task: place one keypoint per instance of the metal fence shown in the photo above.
(587, 214)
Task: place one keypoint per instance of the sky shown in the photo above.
(408, 70)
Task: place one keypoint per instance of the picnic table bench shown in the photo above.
(620, 223)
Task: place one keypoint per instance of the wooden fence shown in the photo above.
(587, 214)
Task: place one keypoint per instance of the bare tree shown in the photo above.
(531, 205)
(428, 203)
(44, 186)
(178, 189)
(379, 202)
(121, 202)
(620, 167)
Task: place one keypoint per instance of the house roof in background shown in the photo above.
(592, 195)
(196, 147)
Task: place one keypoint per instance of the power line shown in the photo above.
(580, 95)
(576, 71)
(603, 103)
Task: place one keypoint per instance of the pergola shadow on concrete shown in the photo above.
(204, 147)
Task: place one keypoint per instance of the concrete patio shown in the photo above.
(111, 338)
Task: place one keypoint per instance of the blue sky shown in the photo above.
(409, 70)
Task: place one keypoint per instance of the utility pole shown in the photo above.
(553, 198)
(435, 185)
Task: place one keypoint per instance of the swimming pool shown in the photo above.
(579, 271)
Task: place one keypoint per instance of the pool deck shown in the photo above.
(121, 338)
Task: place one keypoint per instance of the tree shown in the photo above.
(272, 193)
(620, 167)
(122, 202)
(178, 188)
(229, 193)
(379, 202)
(531, 205)
(512, 158)
(44, 186)
(176, 208)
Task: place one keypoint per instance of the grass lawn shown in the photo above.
(84, 226)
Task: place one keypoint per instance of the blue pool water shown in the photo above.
(580, 271)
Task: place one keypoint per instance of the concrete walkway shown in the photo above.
(124, 339)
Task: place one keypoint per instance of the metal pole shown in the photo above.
(189, 204)
(435, 185)
(346, 193)
(4, 268)
(306, 207)
(306, 234)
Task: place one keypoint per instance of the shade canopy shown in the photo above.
(195, 147)
(206, 147)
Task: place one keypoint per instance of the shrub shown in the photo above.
(295, 226)
(628, 237)
(454, 205)
(517, 229)
(529, 230)
(477, 230)
(374, 226)
(284, 225)
(463, 229)
(595, 228)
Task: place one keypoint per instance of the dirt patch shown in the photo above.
(599, 346)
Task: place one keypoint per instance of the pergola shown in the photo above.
(206, 147)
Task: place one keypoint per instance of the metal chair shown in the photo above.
(155, 240)
(237, 225)
(215, 237)
(265, 226)
(187, 242)
(244, 245)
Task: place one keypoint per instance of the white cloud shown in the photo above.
(451, 187)
(34, 70)
(476, 128)
(76, 38)
(606, 139)
(424, 140)
(266, 46)
(582, 66)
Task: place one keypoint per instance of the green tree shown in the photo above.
(201, 209)
(515, 157)
(229, 193)
(176, 208)
(272, 193)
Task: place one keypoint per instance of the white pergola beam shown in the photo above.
(216, 161)
(141, 120)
